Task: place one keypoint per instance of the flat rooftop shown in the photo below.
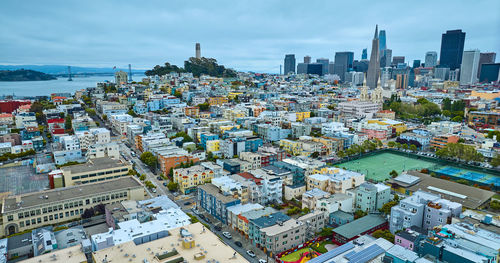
(214, 191)
(94, 165)
(452, 191)
(359, 226)
(66, 193)
(72, 254)
(206, 244)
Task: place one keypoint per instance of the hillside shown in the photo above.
(197, 66)
(24, 75)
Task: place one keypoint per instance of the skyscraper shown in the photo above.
(452, 48)
(343, 62)
(398, 59)
(307, 59)
(324, 62)
(374, 66)
(364, 54)
(468, 69)
(486, 58)
(315, 68)
(198, 50)
(302, 68)
(289, 64)
(490, 72)
(431, 58)
(416, 63)
(382, 41)
(386, 58)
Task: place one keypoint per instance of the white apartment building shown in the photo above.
(111, 150)
(70, 142)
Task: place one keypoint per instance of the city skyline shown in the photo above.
(246, 39)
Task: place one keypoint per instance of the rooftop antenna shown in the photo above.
(69, 74)
(129, 73)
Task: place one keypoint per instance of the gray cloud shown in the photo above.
(245, 35)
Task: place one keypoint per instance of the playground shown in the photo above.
(305, 254)
(377, 167)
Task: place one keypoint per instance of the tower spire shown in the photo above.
(376, 32)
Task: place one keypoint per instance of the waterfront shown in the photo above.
(44, 88)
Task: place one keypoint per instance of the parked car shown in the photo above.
(208, 220)
(165, 184)
(227, 235)
(159, 178)
(250, 253)
(187, 203)
(218, 228)
(238, 243)
(262, 260)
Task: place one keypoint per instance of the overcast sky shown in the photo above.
(245, 35)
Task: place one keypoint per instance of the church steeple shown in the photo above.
(376, 32)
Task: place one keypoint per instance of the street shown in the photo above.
(187, 202)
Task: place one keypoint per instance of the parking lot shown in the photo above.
(22, 179)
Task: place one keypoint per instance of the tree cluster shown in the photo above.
(7, 156)
(197, 66)
(460, 151)
(422, 109)
(385, 234)
(149, 159)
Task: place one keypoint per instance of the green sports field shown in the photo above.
(377, 167)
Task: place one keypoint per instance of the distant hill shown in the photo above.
(60, 69)
(197, 66)
(24, 75)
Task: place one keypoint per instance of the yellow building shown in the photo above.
(233, 95)
(486, 95)
(399, 126)
(95, 170)
(217, 100)
(291, 147)
(189, 178)
(224, 128)
(213, 146)
(52, 207)
(302, 115)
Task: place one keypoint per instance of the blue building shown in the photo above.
(29, 132)
(204, 137)
(253, 144)
(213, 202)
(339, 218)
(154, 105)
(140, 108)
(297, 171)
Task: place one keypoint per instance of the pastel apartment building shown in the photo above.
(423, 210)
(334, 180)
(371, 197)
(189, 178)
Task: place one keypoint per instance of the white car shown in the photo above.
(262, 261)
(250, 253)
(227, 235)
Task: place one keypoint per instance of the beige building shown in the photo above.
(284, 235)
(334, 180)
(95, 170)
(191, 243)
(72, 254)
(33, 210)
(315, 221)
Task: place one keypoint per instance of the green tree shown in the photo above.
(184, 135)
(405, 146)
(315, 155)
(341, 154)
(173, 187)
(495, 205)
(67, 123)
(204, 106)
(105, 117)
(385, 234)
(142, 177)
(393, 173)
(391, 144)
(359, 214)
(495, 161)
(457, 119)
(149, 159)
(386, 208)
(326, 232)
(413, 148)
